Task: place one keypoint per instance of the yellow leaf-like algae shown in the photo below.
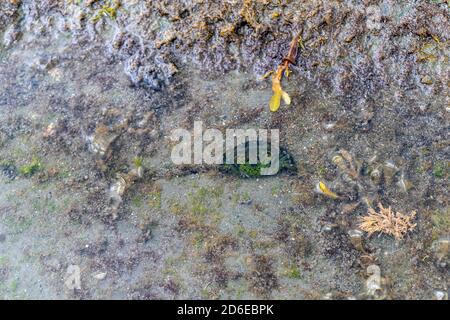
(266, 75)
(286, 97)
(325, 191)
(283, 68)
(108, 10)
(275, 101)
(278, 92)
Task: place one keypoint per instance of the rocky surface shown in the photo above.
(90, 91)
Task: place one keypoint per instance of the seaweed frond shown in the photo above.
(323, 189)
(278, 92)
(386, 221)
(283, 69)
(31, 168)
(107, 10)
(138, 161)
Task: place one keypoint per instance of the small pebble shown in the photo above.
(100, 276)
(440, 295)
(426, 80)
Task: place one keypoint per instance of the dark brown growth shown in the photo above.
(293, 49)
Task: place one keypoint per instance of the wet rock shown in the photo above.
(101, 141)
(167, 37)
(426, 80)
(366, 260)
(9, 170)
(100, 276)
(404, 184)
(169, 69)
(389, 171)
(328, 296)
(11, 36)
(52, 264)
(73, 277)
(348, 208)
(375, 176)
(364, 116)
(256, 51)
(344, 161)
(374, 282)
(263, 277)
(45, 63)
(356, 238)
(329, 227)
(50, 130)
(441, 249)
(440, 295)
(119, 187)
(8, 12)
(147, 69)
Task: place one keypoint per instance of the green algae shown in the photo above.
(31, 168)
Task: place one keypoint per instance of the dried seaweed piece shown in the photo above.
(385, 221)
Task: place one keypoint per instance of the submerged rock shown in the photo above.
(356, 238)
(100, 276)
(120, 186)
(441, 249)
(101, 141)
(374, 282)
(440, 295)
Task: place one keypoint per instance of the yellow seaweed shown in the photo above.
(285, 97)
(287, 72)
(267, 74)
(324, 189)
(275, 101)
(283, 68)
(278, 92)
(107, 10)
